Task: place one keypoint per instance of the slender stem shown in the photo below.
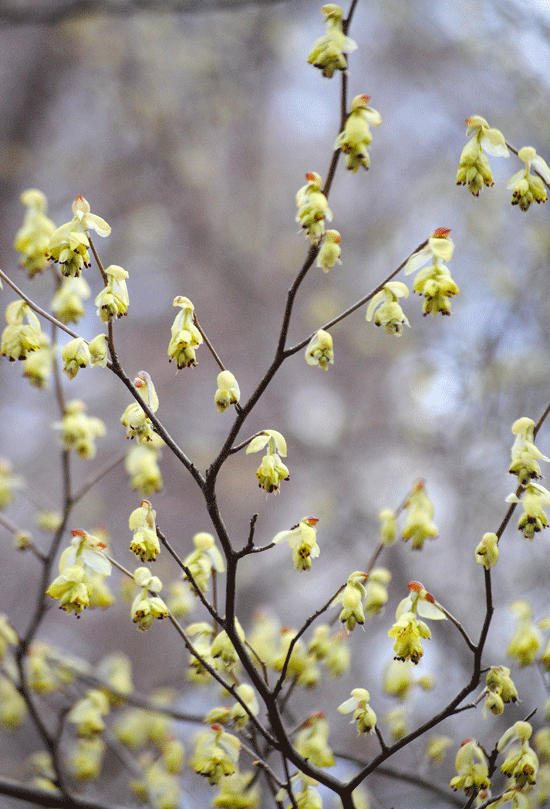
(36, 308)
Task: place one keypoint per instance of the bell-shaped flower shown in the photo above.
(67, 303)
(363, 714)
(87, 551)
(72, 589)
(223, 651)
(145, 606)
(134, 418)
(68, 245)
(472, 768)
(38, 366)
(238, 791)
(487, 552)
(99, 352)
(20, 338)
(377, 590)
(312, 742)
(329, 51)
(202, 634)
(204, 560)
(500, 689)
(113, 300)
(13, 708)
(313, 208)
(398, 679)
(32, 238)
(521, 762)
(357, 135)
(87, 714)
(439, 248)
(434, 282)
(75, 355)
(228, 392)
(388, 311)
(8, 483)
(145, 543)
(78, 430)
(216, 754)
(302, 539)
(418, 524)
(420, 602)
(351, 599)
(534, 500)
(319, 350)
(86, 758)
(527, 187)
(330, 251)
(272, 470)
(474, 169)
(408, 632)
(186, 337)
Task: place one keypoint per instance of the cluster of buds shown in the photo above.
(408, 630)
(134, 418)
(363, 714)
(78, 430)
(75, 355)
(500, 689)
(312, 742)
(141, 464)
(487, 552)
(434, 282)
(319, 350)
(472, 768)
(521, 762)
(329, 51)
(185, 335)
(228, 392)
(38, 366)
(78, 565)
(474, 169)
(68, 245)
(216, 754)
(272, 470)
(313, 208)
(205, 560)
(113, 300)
(147, 605)
(237, 716)
(223, 652)
(302, 540)
(145, 543)
(20, 338)
(300, 664)
(386, 309)
(67, 303)
(356, 134)
(351, 599)
(419, 524)
(87, 714)
(330, 251)
(377, 590)
(527, 187)
(331, 649)
(86, 757)
(33, 236)
(534, 498)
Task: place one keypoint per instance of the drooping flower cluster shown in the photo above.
(312, 208)
(185, 335)
(68, 245)
(357, 135)
(67, 303)
(147, 605)
(419, 524)
(527, 187)
(113, 300)
(408, 631)
(312, 741)
(228, 392)
(434, 282)
(329, 51)
(78, 430)
(134, 418)
(75, 355)
(474, 169)
(78, 565)
(351, 599)
(526, 638)
(141, 464)
(363, 714)
(330, 251)
(472, 768)
(145, 542)
(487, 552)
(33, 236)
(521, 762)
(20, 338)
(500, 689)
(87, 714)
(534, 498)
(319, 350)
(204, 560)
(389, 313)
(302, 539)
(272, 470)
(216, 754)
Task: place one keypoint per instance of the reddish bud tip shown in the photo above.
(429, 597)
(415, 586)
(442, 233)
(78, 533)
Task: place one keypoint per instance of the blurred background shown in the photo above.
(189, 127)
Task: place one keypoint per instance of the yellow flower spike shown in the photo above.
(418, 523)
(87, 714)
(386, 310)
(8, 635)
(19, 339)
(145, 543)
(312, 208)
(185, 335)
(377, 593)
(526, 639)
(356, 135)
(487, 552)
(228, 392)
(474, 169)
(113, 300)
(319, 350)
(141, 464)
(68, 245)
(472, 768)
(216, 754)
(38, 365)
(351, 599)
(526, 187)
(75, 355)
(363, 714)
